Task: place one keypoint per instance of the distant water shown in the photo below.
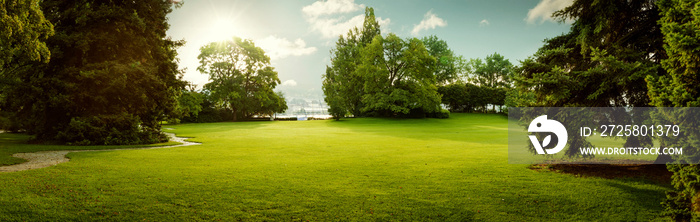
(315, 116)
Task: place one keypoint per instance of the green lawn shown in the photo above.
(356, 169)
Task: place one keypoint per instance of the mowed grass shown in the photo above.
(351, 170)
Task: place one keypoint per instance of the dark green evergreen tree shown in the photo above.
(112, 77)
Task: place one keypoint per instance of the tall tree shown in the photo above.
(603, 60)
(342, 84)
(398, 78)
(681, 88)
(112, 76)
(611, 48)
(241, 77)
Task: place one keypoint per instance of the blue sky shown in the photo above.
(298, 35)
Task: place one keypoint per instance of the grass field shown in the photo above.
(356, 169)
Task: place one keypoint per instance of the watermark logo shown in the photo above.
(543, 125)
(603, 135)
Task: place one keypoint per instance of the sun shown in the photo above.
(222, 29)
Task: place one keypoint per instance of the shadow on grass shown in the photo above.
(647, 198)
(621, 177)
(656, 173)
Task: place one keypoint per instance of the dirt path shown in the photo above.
(43, 159)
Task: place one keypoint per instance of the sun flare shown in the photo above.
(222, 29)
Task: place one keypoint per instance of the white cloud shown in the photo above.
(484, 22)
(329, 17)
(543, 10)
(278, 48)
(430, 21)
(334, 27)
(290, 82)
(331, 7)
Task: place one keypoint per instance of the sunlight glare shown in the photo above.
(222, 29)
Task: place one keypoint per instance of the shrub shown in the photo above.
(414, 114)
(124, 129)
(442, 114)
(469, 97)
(676, 206)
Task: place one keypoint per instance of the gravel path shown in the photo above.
(43, 159)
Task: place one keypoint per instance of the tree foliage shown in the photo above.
(398, 78)
(241, 78)
(384, 76)
(446, 66)
(189, 104)
(23, 30)
(611, 48)
(603, 60)
(494, 75)
(209, 110)
(110, 62)
(334, 98)
(493, 72)
(342, 83)
(679, 22)
(465, 97)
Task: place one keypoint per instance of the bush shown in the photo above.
(337, 111)
(442, 114)
(209, 113)
(7, 123)
(122, 129)
(676, 206)
(683, 203)
(413, 114)
(469, 97)
(420, 113)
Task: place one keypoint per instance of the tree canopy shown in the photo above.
(343, 85)
(383, 76)
(189, 104)
(679, 22)
(397, 76)
(241, 78)
(23, 30)
(494, 71)
(611, 48)
(446, 66)
(603, 60)
(112, 76)
(679, 25)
